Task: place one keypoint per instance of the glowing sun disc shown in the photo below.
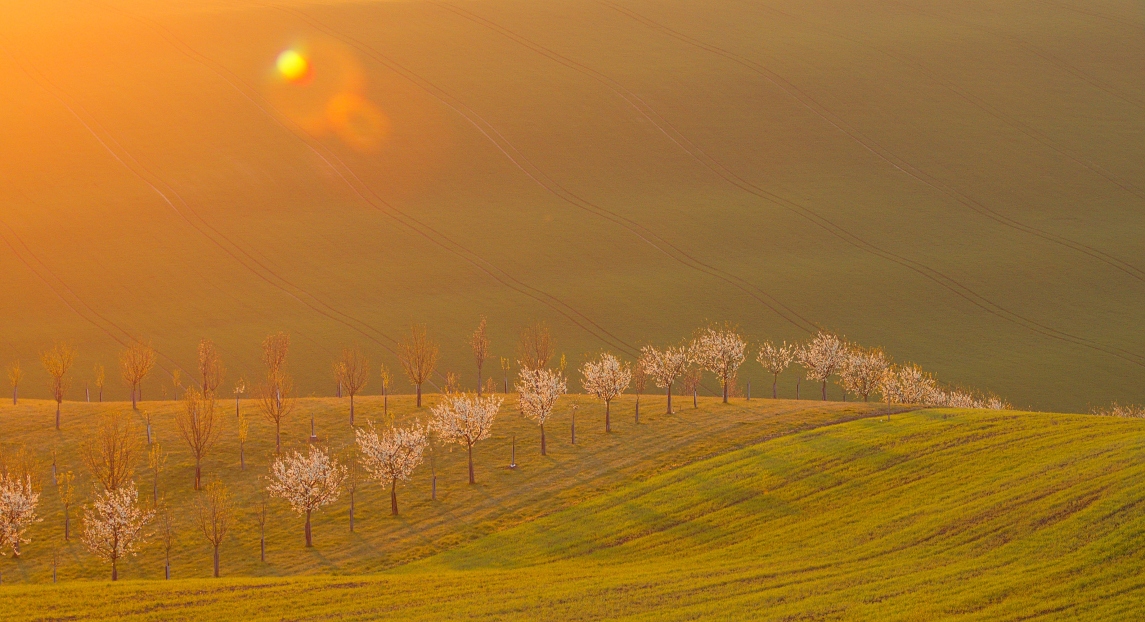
(292, 65)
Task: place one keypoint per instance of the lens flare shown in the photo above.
(293, 66)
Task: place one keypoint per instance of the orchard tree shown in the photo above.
(113, 525)
(465, 419)
(213, 511)
(112, 453)
(18, 501)
(244, 431)
(691, 381)
(57, 362)
(821, 357)
(276, 395)
(418, 357)
(307, 482)
(535, 348)
(479, 343)
(211, 370)
(775, 359)
(664, 366)
(352, 371)
(863, 370)
(639, 383)
(199, 426)
(134, 364)
(606, 378)
(65, 486)
(166, 537)
(719, 350)
(908, 384)
(100, 380)
(391, 457)
(539, 391)
(156, 461)
(387, 382)
(15, 375)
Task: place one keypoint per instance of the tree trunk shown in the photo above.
(865, 395)
(725, 391)
(198, 473)
(236, 405)
(669, 399)
(277, 438)
(16, 549)
(57, 414)
(824, 390)
(148, 432)
(574, 428)
(385, 402)
(67, 525)
(15, 394)
(261, 547)
(775, 387)
(471, 480)
(542, 440)
(167, 568)
(309, 542)
(394, 497)
(607, 417)
(134, 403)
(216, 561)
(114, 571)
(242, 458)
(101, 394)
(797, 383)
(637, 410)
(695, 399)
(351, 511)
(419, 395)
(351, 409)
(433, 488)
(478, 381)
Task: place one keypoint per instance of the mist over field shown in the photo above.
(960, 183)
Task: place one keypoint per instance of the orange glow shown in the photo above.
(293, 66)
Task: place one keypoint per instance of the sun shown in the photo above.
(292, 66)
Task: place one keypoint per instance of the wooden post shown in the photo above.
(513, 459)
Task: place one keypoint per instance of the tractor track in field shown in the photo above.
(540, 177)
(364, 192)
(936, 276)
(878, 150)
(977, 102)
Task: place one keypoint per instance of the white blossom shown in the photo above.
(775, 359)
(720, 351)
(821, 357)
(665, 366)
(606, 378)
(113, 525)
(308, 482)
(392, 456)
(18, 501)
(539, 390)
(862, 370)
(465, 419)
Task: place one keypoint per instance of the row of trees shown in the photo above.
(114, 521)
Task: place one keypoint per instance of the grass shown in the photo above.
(980, 165)
(502, 498)
(925, 515)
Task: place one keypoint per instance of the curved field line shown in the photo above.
(360, 188)
(879, 151)
(719, 169)
(977, 102)
(542, 179)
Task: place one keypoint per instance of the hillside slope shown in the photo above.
(961, 183)
(931, 514)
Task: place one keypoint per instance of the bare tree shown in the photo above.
(240, 388)
(134, 364)
(166, 537)
(691, 383)
(274, 350)
(465, 419)
(539, 391)
(15, 375)
(863, 370)
(664, 366)
(211, 369)
(606, 378)
(276, 395)
(18, 501)
(418, 357)
(244, 430)
(213, 511)
(352, 371)
(100, 380)
(113, 525)
(260, 511)
(156, 461)
(821, 357)
(198, 425)
(452, 383)
(639, 382)
(176, 383)
(307, 482)
(535, 348)
(775, 359)
(65, 486)
(387, 382)
(719, 350)
(479, 342)
(112, 454)
(391, 457)
(57, 361)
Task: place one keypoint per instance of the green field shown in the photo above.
(959, 182)
(768, 510)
